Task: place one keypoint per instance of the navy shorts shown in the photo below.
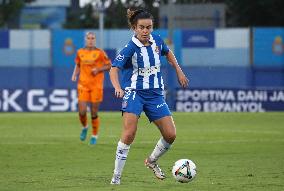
(151, 101)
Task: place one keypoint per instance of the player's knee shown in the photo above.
(94, 115)
(83, 113)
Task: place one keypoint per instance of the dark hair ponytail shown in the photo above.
(134, 15)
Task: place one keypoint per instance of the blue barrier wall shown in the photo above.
(200, 77)
(47, 63)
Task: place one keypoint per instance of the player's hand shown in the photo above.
(74, 78)
(119, 93)
(95, 71)
(182, 79)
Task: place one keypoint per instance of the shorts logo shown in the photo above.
(124, 104)
(120, 57)
(161, 105)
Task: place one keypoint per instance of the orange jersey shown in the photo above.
(86, 60)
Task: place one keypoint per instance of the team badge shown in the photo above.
(95, 56)
(68, 47)
(278, 45)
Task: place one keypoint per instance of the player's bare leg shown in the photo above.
(95, 122)
(83, 119)
(130, 121)
(168, 131)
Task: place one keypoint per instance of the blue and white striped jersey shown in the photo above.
(141, 65)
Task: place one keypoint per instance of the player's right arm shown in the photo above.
(119, 63)
(75, 73)
(76, 70)
(114, 78)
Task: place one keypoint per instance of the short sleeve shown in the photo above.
(124, 55)
(164, 48)
(106, 59)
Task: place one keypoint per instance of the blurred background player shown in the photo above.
(91, 62)
(142, 90)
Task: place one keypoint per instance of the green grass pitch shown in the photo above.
(232, 151)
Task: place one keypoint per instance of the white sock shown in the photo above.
(160, 149)
(121, 155)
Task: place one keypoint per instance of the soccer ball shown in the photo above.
(184, 170)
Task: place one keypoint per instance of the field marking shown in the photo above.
(153, 142)
(237, 131)
(221, 141)
(37, 137)
(30, 143)
(252, 131)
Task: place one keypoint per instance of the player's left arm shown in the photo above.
(97, 70)
(106, 65)
(182, 79)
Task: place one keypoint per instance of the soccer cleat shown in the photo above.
(115, 179)
(83, 134)
(93, 141)
(156, 169)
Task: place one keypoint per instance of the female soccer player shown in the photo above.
(91, 63)
(142, 90)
